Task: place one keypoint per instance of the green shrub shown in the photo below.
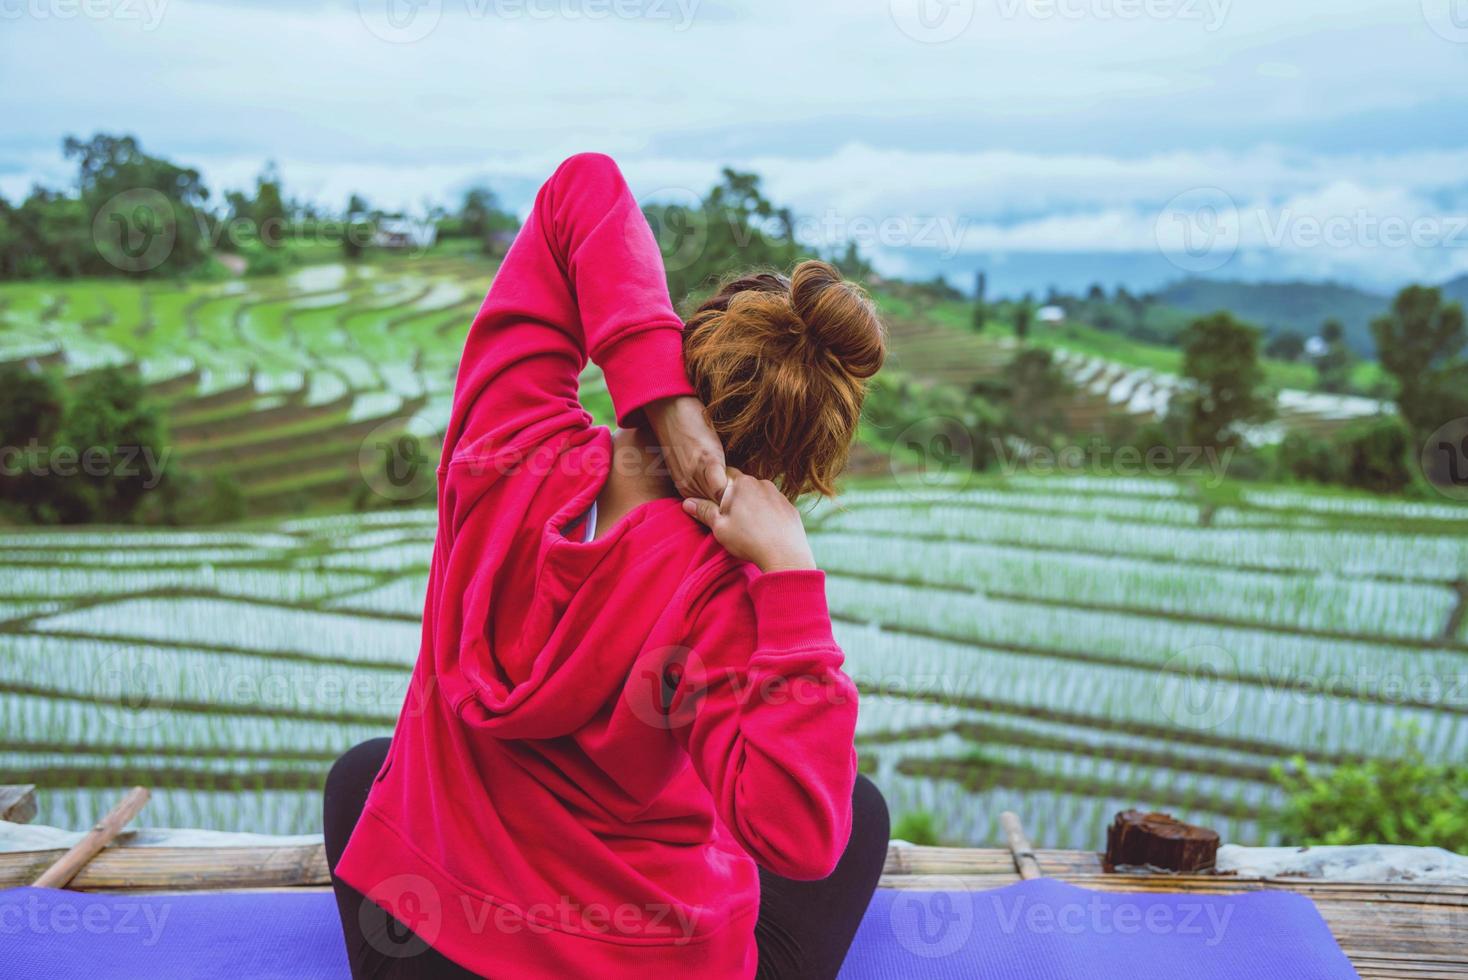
(111, 418)
(262, 261)
(32, 406)
(917, 827)
(1305, 457)
(187, 498)
(1408, 800)
(1374, 455)
(937, 425)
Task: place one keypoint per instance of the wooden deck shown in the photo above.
(1388, 930)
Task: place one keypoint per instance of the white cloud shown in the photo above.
(1042, 125)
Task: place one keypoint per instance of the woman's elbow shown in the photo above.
(584, 166)
(803, 850)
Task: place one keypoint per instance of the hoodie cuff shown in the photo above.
(643, 368)
(790, 611)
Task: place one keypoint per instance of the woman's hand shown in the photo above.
(754, 522)
(691, 449)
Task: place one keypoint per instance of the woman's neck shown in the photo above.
(637, 477)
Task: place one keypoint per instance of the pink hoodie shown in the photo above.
(600, 739)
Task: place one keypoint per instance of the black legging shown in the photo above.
(804, 927)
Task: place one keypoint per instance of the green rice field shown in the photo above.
(1062, 647)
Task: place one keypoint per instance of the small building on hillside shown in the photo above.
(405, 233)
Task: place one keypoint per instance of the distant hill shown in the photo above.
(1300, 307)
(1457, 289)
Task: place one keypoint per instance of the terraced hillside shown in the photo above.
(932, 341)
(290, 385)
(1064, 648)
(276, 382)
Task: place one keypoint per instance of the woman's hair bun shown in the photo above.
(781, 365)
(839, 316)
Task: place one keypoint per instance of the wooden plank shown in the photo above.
(180, 868)
(952, 883)
(947, 860)
(1406, 931)
(18, 803)
(60, 874)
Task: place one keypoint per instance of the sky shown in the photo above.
(1043, 141)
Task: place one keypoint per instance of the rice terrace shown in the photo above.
(1064, 646)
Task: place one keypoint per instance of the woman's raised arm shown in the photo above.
(583, 278)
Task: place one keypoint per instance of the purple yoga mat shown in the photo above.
(1036, 930)
(59, 935)
(1048, 930)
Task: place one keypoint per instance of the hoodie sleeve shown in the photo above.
(584, 276)
(773, 727)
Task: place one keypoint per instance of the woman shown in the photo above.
(626, 749)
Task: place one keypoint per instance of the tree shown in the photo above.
(1421, 345)
(1221, 360)
(356, 227)
(1375, 455)
(31, 410)
(981, 305)
(481, 218)
(1285, 346)
(732, 228)
(852, 264)
(132, 201)
(1335, 361)
(1023, 314)
(269, 211)
(112, 424)
(477, 212)
(1036, 391)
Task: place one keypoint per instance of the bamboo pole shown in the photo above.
(1019, 846)
(59, 875)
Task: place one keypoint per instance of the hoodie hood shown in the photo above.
(552, 624)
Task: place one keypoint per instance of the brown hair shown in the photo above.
(782, 366)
